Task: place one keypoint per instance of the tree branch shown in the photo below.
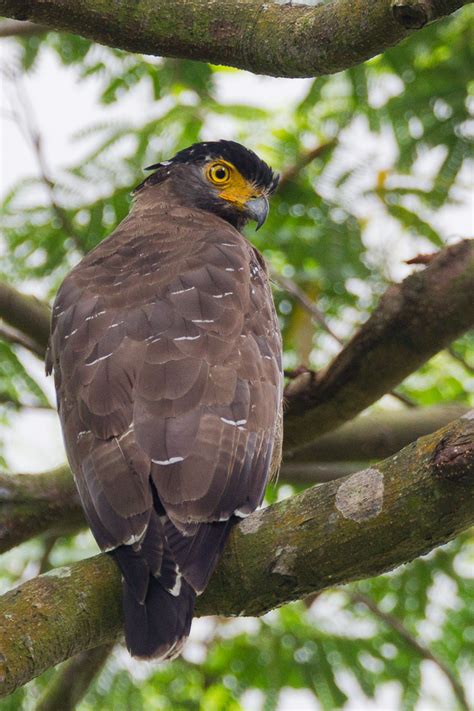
(399, 628)
(48, 503)
(13, 28)
(330, 534)
(413, 321)
(72, 681)
(12, 335)
(266, 38)
(32, 504)
(25, 313)
(376, 435)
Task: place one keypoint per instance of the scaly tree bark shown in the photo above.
(266, 38)
(352, 528)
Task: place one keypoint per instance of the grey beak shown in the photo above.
(257, 209)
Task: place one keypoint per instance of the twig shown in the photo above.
(292, 288)
(12, 335)
(49, 541)
(25, 119)
(17, 28)
(401, 630)
(457, 356)
(305, 159)
(408, 401)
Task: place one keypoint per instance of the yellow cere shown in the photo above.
(234, 187)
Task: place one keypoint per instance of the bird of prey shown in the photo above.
(166, 353)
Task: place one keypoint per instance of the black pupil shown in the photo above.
(220, 173)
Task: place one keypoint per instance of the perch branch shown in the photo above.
(45, 503)
(330, 534)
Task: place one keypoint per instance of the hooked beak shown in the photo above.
(257, 209)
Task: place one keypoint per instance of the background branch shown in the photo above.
(73, 679)
(15, 28)
(330, 534)
(265, 38)
(424, 652)
(32, 504)
(15, 337)
(413, 321)
(376, 435)
(25, 313)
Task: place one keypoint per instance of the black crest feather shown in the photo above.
(253, 168)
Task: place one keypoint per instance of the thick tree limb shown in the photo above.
(413, 321)
(31, 504)
(36, 504)
(330, 534)
(376, 435)
(266, 38)
(25, 313)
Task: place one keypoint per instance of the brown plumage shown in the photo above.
(167, 360)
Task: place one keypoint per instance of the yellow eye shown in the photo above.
(218, 173)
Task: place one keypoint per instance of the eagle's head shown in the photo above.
(222, 177)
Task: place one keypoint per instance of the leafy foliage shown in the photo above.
(395, 135)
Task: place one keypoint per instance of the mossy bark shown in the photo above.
(265, 38)
(356, 527)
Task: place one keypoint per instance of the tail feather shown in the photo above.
(159, 627)
(198, 554)
(162, 574)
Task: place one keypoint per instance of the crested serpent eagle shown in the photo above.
(166, 353)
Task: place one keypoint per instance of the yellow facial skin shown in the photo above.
(232, 186)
